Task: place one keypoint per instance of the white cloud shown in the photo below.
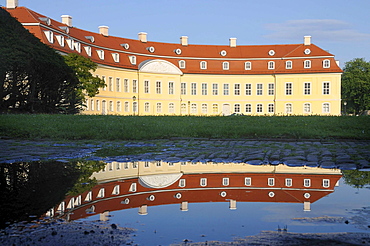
(327, 29)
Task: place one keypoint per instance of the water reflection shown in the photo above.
(126, 185)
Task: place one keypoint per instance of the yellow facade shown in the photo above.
(130, 92)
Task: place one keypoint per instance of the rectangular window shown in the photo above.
(225, 181)
(183, 108)
(288, 65)
(271, 108)
(307, 64)
(146, 86)
(158, 88)
(182, 183)
(248, 181)
(259, 89)
(203, 182)
(248, 108)
(171, 108)
(326, 183)
(307, 182)
(326, 63)
(158, 163)
(127, 108)
(110, 84)
(183, 88)
(125, 85)
(146, 164)
(248, 65)
(193, 89)
(248, 89)
(146, 107)
(134, 86)
(119, 109)
(237, 108)
(159, 107)
(204, 89)
(182, 64)
(225, 66)
(118, 84)
(326, 88)
(194, 108)
(325, 108)
(105, 84)
(271, 65)
(307, 88)
(215, 108)
(203, 65)
(288, 88)
(111, 106)
(271, 91)
(288, 182)
(237, 89)
(288, 108)
(215, 89)
(226, 89)
(204, 108)
(307, 108)
(259, 108)
(271, 181)
(170, 88)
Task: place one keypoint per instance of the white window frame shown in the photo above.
(158, 87)
(248, 65)
(248, 108)
(271, 181)
(125, 85)
(171, 108)
(307, 88)
(214, 89)
(193, 89)
(326, 183)
(326, 63)
(307, 64)
(100, 54)
(248, 89)
(271, 65)
(270, 108)
(307, 108)
(215, 108)
(182, 182)
(326, 88)
(307, 182)
(146, 86)
(225, 181)
(288, 182)
(326, 108)
(237, 89)
(259, 108)
(183, 88)
(226, 89)
(127, 107)
(171, 89)
(248, 181)
(203, 182)
(237, 108)
(225, 65)
(204, 89)
(203, 65)
(204, 108)
(288, 108)
(182, 64)
(194, 109)
(119, 106)
(159, 107)
(146, 107)
(118, 84)
(288, 88)
(110, 84)
(259, 90)
(271, 89)
(132, 60)
(288, 65)
(115, 57)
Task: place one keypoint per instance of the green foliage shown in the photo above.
(356, 178)
(33, 77)
(356, 85)
(83, 67)
(108, 127)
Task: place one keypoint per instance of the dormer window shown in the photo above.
(70, 43)
(65, 29)
(307, 64)
(225, 66)
(326, 64)
(115, 57)
(60, 39)
(91, 38)
(132, 60)
(288, 65)
(88, 50)
(182, 64)
(125, 45)
(271, 65)
(100, 54)
(248, 65)
(203, 65)
(49, 35)
(77, 46)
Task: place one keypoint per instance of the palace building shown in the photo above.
(153, 78)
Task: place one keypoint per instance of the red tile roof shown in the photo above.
(191, 54)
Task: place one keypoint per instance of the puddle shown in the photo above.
(168, 203)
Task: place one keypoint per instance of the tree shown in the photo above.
(356, 85)
(82, 67)
(33, 77)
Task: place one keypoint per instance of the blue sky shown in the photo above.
(339, 26)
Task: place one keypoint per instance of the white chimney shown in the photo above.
(307, 40)
(67, 19)
(11, 4)
(103, 30)
(232, 42)
(184, 40)
(142, 37)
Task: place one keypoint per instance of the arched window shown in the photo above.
(271, 65)
(307, 64)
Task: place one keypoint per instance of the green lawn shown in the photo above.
(99, 127)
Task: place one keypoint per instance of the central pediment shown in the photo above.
(159, 66)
